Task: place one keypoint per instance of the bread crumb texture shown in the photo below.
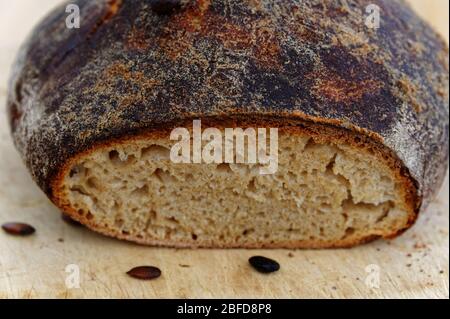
(323, 194)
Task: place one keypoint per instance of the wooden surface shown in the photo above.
(414, 265)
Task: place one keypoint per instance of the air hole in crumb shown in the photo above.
(349, 231)
(173, 220)
(116, 206)
(92, 182)
(384, 214)
(118, 222)
(116, 159)
(163, 176)
(194, 236)
(224, 168)
(79, 189)
(159, 174)
(291, 176)
(89, 216)
(130, 159)
(251, 186)
(311, 143)
(74, 171)
(330, 165)
(114, 156)
(141, 191)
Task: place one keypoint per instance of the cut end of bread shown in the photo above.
(325, 193)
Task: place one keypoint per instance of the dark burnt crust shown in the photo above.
(130, 70)
(321, 133)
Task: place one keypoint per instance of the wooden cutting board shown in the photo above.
(414, 265)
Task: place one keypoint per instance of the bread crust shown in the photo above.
(133, 69)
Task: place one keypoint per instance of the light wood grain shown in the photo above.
(414, 265)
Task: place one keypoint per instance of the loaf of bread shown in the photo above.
(361, 111)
